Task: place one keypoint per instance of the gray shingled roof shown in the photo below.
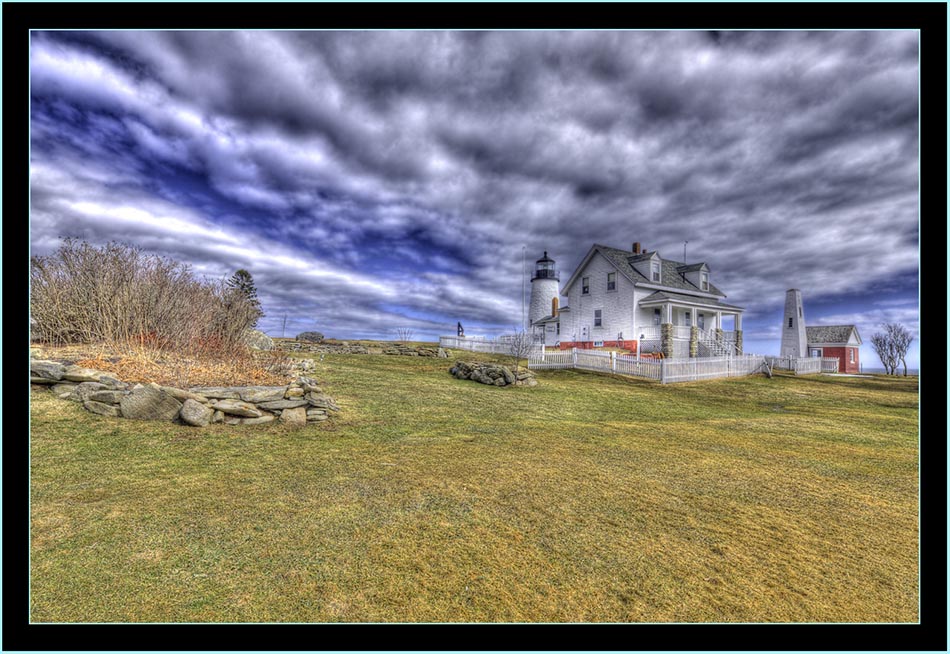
(829, 333)
(669, 275)
(679, 297)
(691, 267)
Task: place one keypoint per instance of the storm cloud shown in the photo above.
(375, 180)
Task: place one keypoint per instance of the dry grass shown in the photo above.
(586, 498)
(144, 365)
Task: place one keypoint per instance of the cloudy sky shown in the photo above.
(379, 180)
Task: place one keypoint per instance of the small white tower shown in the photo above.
(545, 287)
(794, 343)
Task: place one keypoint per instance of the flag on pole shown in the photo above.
(461, 330)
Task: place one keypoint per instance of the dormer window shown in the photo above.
(704, 281)
(585, 285)
(611, 281)
(655, 270)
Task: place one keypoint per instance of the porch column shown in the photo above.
(693, 334)
(666, 339)
(739, 333)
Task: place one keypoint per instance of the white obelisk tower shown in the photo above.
(794, 343)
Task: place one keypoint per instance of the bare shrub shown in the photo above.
(118, 295)
(519, 345)
(404, 334)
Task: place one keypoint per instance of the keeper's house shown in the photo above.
(635, 300)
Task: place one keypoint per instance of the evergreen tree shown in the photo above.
(243, 283)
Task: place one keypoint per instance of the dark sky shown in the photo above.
(377, 180)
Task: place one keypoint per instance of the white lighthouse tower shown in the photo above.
(545, 289)
(793, 326)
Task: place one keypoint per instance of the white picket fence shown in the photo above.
(695, 369)
(664, 370)
(805, 365)
(474, 344)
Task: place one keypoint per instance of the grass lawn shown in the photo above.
(585, 499)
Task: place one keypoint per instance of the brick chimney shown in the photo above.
(554, 307)
(636, 247)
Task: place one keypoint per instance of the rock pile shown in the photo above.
(492, 373)
(314, 337)
(299, 402)
(409, 351)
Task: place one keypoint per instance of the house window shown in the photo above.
(790, 322)
(852, 355)
(688, 319)
(799, 312)
(585, 285)
(611, 281)
(816, 352)
(558, 327)
(655, 267)
(656, 316)
(704, 283)
(597, 317)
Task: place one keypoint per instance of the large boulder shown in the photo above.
(195, 413)
(107, 397)
(85, 390)
(237, 408)
(295, 416)
(216, 392)
(261, 393)
(310, 337)
(81, 374)
(102, 408)
(182, 395)
(258, 340)
(48, 369)
(149, 403)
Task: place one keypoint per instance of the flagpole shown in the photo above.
(522, 287)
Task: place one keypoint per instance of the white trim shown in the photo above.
(718, 307)
(681, 291)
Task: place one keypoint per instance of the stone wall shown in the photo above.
(409, 351)
(299, 402)
(342, 347)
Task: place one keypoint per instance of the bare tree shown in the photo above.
(891, 346)
(881, 345)
(899, 338)
(404, 334)
(519, 346)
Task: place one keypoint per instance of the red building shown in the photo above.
(839, 341)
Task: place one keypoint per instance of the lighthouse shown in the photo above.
(545, 289)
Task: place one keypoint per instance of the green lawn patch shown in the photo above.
(586, 498)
